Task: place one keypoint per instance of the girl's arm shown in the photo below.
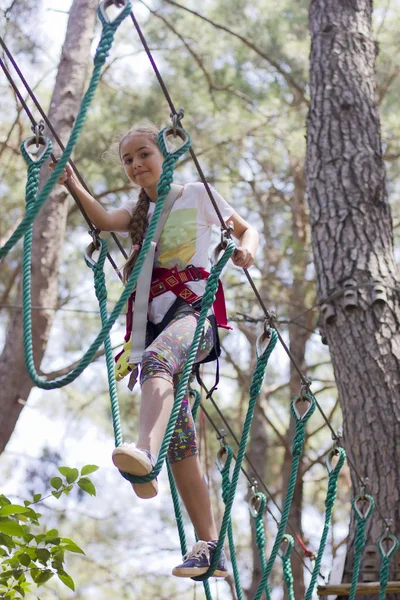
(116, 220)
(244, 254)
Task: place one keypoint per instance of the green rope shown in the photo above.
(287, 567)
(386, 558)
(360, 538)
(174, 493)
(258, 516)
(175, 499)
(103, 48)
(163, 188)
(206, 303)
(101, 295)
(255, 390)
(225, 497)
(298, 442)
(329, 502)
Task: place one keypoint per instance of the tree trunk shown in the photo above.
(49, 228)
(356, 273)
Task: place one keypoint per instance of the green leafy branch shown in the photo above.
(26, 557)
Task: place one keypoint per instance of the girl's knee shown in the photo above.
(154, 364)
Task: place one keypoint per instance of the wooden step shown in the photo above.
(343, 589)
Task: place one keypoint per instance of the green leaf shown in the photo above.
(67, 490)
(52, 533)
(7, 541)
(20, 590)
(12, 509)
(43, 577)
(37, 497)
(87, 486)
(87, 469)
(56, 494)
(11, 528)
(43, 555)
(70, 474)
(17, 573)
(40, 538)
(4, 500)
(56, 482)
(66, 579)
(71, 546)
(25, 559)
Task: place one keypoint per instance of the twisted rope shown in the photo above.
(255, 389)
(103, 48)
(360, 538)
(386, 558)
(287, 566)
(258, 516)
(226, 483)
(329, 502)
(298, 442)
(163, 188)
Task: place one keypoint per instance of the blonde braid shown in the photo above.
(137, 229)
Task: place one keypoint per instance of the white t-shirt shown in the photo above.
(186, 239)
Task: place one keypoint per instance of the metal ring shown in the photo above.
(302, 398)
(392, 539)
(179, 132)
(367, 507)
(328, 461)
(222, 457)
(263, 341)
(255, 503)
(89, 252)
(106, 4)
(37, 140)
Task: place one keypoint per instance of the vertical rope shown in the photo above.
(297, 448)
(287, 566)
(386, 556)
(362, 515)
(329, 502)
(258, 504)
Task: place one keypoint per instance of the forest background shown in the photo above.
(244, 89)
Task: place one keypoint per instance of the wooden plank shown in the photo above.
(343, 589)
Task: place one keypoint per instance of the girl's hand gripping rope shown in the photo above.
(67, 175)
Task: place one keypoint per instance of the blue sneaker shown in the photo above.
(198, 561)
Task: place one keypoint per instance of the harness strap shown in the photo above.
(172, 280)
(144, 281)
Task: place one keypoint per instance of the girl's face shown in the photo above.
(142, 161)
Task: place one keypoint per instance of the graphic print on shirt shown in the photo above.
(177, 244)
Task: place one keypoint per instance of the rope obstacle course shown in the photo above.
(387, 544)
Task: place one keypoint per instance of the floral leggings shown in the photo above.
(165, 358)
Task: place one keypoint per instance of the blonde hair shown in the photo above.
(139, 221)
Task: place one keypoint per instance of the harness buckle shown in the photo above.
(197, 274)
(158, 288)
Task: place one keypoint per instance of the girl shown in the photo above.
(185, 240)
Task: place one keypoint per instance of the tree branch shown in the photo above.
(299, 92)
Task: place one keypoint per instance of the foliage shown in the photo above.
(27, 556)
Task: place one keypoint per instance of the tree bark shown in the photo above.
(49, 227)
(353, 251)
